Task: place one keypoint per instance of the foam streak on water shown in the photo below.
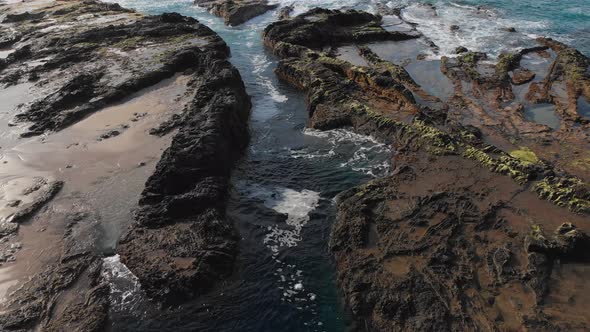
(125, 289)
(366, 154)
(479, 28)
(296, 206)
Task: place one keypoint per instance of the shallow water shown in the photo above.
(283, 197)
(584, 107)
(428, 75)
(544, 114)
(103, 177)
(351, 54)
(401, 52)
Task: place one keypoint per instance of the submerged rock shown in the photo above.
(285, 12)
(522, 76)
(461, 49)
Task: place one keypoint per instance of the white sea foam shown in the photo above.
(337, 135)
(367, 155)
(300, 7)
(296, 204)
(125, 289)
(480, 29)
(261, 63)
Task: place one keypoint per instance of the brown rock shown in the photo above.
(522, 76)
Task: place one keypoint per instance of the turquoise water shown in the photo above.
(566, 20)
(283, 197)
(482, 22)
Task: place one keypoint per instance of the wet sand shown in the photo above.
(103, 176)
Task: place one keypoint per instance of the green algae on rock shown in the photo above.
(450, 222)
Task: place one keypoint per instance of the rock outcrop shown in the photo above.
(84, 68)
(182, 244)
(455, 238)
(81, 56)
(236, 12)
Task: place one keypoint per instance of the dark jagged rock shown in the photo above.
(320, 27)
(66, 295)
(26, 16)
(285, 12)
(443, 242)
(44, 193)
(8, 38)
(522, 76)
(461, 49)
(182, 244)
(567, 242)
(98, 60)
(236, 12)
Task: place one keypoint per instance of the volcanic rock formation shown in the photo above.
(475, 228)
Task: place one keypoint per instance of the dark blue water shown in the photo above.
(283, 195)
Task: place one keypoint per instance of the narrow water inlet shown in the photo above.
(281, 204)
(283, 192)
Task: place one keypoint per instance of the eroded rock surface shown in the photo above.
(236, 12)
(78, 57)
(86, 54)
(182, 244)
(474, 229)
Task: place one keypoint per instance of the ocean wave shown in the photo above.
(481, 29)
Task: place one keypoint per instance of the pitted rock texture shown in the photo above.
(181, 244)
(81, 56)
(478, 227)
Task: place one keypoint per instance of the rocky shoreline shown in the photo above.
(182, 244)
(81, 57)
(481, 225)
(476, 226)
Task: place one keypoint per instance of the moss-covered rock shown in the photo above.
(565, 191)
(525, 154)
